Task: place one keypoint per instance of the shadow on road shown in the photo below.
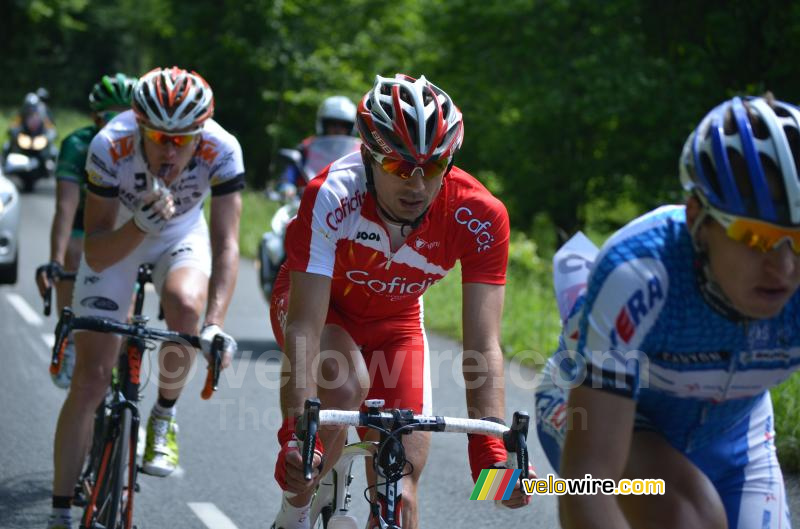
(20, 497)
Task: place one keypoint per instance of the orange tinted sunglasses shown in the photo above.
(757, 234)
(177, 140)
(404, 169)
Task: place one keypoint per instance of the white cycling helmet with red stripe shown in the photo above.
(410, 119)
(173, 99)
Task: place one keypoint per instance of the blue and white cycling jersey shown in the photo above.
(646, 332)
(642, 329)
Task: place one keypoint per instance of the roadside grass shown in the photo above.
(786, 402)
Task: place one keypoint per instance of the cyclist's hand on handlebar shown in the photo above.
(44, 275)
(290, 477)
(518, 498)
(289, 467)
(229, 348)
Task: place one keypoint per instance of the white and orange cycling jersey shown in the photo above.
(116, 167)
(375, 292)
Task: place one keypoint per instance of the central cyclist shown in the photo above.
(373, 232)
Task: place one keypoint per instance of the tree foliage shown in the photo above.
(566, 102)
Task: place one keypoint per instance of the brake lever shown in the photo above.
(516, 441)
(214, 367)
(47, 297)
(63, 328)
(306, 431)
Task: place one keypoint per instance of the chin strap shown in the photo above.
(711, 291)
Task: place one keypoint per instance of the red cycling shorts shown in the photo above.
(395, 351)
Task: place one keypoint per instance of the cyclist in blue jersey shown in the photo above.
(689, 316)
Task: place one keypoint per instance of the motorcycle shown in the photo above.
(319, 153)
(29, 156)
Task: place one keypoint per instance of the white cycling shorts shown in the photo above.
(108, 293)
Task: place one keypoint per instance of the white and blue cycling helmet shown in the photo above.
(727, 159)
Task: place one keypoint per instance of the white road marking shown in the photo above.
(23, 309)
(49, 339)
(211, 516)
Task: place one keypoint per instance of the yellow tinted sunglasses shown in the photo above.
(757, 234)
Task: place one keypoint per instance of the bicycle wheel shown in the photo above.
(109, 506)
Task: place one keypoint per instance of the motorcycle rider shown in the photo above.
(335, 127)
(33, 119)
(336, 116)
(109, 96)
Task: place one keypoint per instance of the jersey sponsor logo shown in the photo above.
(421, 243)
(207, 151)
(97, 180)
(100, 303)
(91, 280)
(638, 306)
(121, 148)
(100, 165)
(347, 206)
(705, 357)
(362, 235)
(479, 228)
(182, 249)
(396, 285)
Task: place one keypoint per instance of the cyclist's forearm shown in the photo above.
(67, 199)
(60, 232)
(483, 377)
(105, 248)
(224, 271)
(301, 346)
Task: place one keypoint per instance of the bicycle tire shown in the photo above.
(109, 507)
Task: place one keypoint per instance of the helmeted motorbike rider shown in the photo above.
(336, 116)
(33, 120)
(335, 126)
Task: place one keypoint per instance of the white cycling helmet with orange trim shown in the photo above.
(173, 99)
(409, 119)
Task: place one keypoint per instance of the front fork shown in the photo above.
(389, 464)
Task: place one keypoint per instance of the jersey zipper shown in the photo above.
(732, 366)
(731, 373)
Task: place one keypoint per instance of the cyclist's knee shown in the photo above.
(675, 510)
(689, 500)
(338, 388)
(89, 384)
(182, 312)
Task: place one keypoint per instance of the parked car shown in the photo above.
(9, 231)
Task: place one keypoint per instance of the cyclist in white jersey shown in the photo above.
(689, 317)
(149, 171)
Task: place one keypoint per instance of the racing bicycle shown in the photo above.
(108, 481)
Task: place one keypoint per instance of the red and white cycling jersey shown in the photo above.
(116, 167)
(337, 233)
